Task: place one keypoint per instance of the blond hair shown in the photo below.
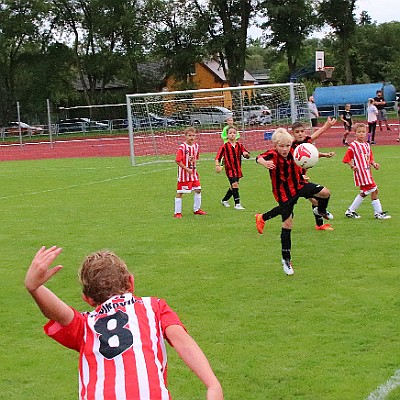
(190, 129)
(359, 125)
(281, 135)
(103, 275)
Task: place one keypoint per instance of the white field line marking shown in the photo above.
(382, 391)
(82, 184)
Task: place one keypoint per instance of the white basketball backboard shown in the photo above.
(319, 60)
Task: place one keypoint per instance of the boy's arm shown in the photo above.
(267, 164)
(327, 155)
(224, 133)
(329, 123)
(195, 359)
(38, 274)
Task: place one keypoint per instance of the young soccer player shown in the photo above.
(346, 117)
(121, 342)
(288, 185)
(188, 178)
(299, 133)
(359, 157)
(229, 123)
(231, 154)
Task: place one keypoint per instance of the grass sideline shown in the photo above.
(329, 332)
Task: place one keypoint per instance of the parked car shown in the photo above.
(257, 115)
(80, 125)
(209, 115)
(15, 127)
(167, 121)
(140, 121)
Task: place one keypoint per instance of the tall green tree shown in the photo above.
(20, 32)
(229, 33)
(339, 14)
(289, 22)
(180, 37)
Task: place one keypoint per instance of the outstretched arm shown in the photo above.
(329, 123)
(38, 274)
(195, 359)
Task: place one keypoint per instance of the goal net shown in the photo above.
(157, 121)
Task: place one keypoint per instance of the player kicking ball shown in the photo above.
(299, 133)
(288, 185)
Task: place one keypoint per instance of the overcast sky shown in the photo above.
(379, 10)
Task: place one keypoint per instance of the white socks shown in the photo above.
(377, 206)
(178, 205)
(356, 203)
(197, 202)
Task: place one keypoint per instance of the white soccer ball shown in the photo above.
(306, 155)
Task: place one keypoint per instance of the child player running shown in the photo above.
(231, 154)
(288, 185)
(121, 347)
(359, 157)
(299, 133)
(188, 178)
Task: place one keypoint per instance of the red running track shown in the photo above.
(165, 144)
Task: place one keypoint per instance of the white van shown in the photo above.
(210, 115)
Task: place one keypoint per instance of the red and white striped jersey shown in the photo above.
(121, 346)
(188, 155)
(362, 156)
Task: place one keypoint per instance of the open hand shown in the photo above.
(39, 271)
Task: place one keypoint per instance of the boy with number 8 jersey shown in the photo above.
(121, 342)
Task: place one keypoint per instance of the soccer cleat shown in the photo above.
(383, 215)
(327, 214)
(225, 203)
(324, 227)
(199, 212)
(287, 267)
(352, 214)
(259, 223)
(178, 215)
(238, 207)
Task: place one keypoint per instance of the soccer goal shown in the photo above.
(157, 121)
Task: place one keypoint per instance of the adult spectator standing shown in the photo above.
(313, 111)
(380, 104)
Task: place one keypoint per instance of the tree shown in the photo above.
(230, 32)
(289, 23)
(339, 14)
(20, 22)
(180, 38)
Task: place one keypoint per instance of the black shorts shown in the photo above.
(314, 122)
(233, 179)
(347, 127)
(307, 191)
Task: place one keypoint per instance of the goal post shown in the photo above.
(157, 121)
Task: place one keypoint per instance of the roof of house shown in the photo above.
(215, 66)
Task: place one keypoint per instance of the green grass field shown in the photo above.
(330, 332)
